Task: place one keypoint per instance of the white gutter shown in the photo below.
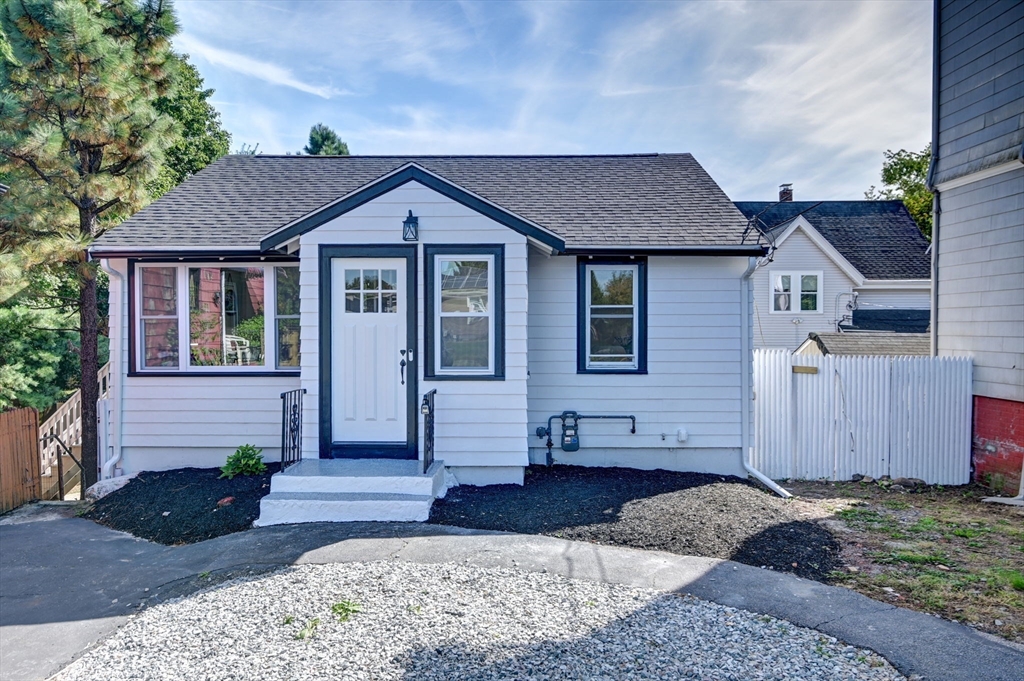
(745, 387)
(116, 373)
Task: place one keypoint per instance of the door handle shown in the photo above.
(401, 367)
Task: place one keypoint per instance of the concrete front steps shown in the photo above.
(348, 490)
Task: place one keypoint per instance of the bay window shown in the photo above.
(216, 317)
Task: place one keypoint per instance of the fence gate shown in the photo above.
(833, 416)
(19, 458)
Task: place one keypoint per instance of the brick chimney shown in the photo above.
(785, 192)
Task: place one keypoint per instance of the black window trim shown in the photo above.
(430, 253)
(581, 313)
(133, 315)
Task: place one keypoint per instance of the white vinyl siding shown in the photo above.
(901, 299)
(781, 330)
(477, 423)
(694, 366)
(981, 281)
(190, 420)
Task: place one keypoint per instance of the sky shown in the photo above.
(761, 93)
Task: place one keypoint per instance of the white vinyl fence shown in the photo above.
(833, 416)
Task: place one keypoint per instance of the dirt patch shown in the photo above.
(938, 550)
(685, 513)
(181, 506)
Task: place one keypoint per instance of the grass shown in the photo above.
(940, 551)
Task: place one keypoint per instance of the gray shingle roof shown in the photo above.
(661, 200)
(873, 343)
(879, 238)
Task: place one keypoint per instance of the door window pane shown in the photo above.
(352, 280)
(226, 324)
(465, 343)
(371, 302)
(388, 279)
(158, 313)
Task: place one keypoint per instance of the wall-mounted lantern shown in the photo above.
(411, 228)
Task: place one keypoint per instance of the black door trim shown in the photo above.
(337, 448)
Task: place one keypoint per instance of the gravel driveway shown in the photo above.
(458, 622)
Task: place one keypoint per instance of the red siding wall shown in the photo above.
(998, 443)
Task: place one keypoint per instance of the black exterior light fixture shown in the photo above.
(411, 228)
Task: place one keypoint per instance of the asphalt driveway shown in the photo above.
(66, 583)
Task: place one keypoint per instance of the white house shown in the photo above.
(517, 288)
(838, 266)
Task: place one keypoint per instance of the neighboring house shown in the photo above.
(977, 175)
(838, 265)
(516, 287)
(868, 344)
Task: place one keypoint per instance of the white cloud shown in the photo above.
(247, 66)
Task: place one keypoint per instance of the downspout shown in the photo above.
(115, 363)
(745, 383)
(930, 182)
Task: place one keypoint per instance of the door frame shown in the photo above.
(329, 448)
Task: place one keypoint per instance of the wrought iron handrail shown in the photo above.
(427, 409)
(291, 426)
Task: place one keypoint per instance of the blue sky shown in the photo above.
(760, 92)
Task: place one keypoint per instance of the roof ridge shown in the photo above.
(461, 156)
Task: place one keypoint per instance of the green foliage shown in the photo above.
(308, 631)
(345, 609)
(251, 329)
(202, 139)
(245, 461)
(39, 364)
(324, 142)
(904, 178)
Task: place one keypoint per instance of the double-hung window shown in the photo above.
(465, 324)
(612, 316)
(215, 317)
(793, 292)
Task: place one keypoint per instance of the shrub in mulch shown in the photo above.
(691, 514)
(183, 506)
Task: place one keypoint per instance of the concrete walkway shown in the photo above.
(66, 583)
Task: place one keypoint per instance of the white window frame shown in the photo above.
(184, 326)
(439, 314)
(794, 291)
(636, 313)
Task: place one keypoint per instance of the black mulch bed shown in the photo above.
(685, 513)
(189, 496)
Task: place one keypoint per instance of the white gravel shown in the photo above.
(458, 622)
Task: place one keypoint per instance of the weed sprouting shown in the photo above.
(309, 631)
(345, 609)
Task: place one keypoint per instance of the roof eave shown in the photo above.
(628, 249)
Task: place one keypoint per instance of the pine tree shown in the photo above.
(80, 136)
(324, 142)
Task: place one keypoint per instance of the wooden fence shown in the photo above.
(19, 458)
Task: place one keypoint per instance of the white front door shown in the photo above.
(370, 363)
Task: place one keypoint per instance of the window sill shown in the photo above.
(641, 372)
(465, 377)
(221, 374)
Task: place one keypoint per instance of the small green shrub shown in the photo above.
(345, 609)
(245, 461)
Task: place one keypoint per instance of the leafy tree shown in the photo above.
(81, 137)
(904, 177)
(202, 140)
(324, 142)
(38, 359)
